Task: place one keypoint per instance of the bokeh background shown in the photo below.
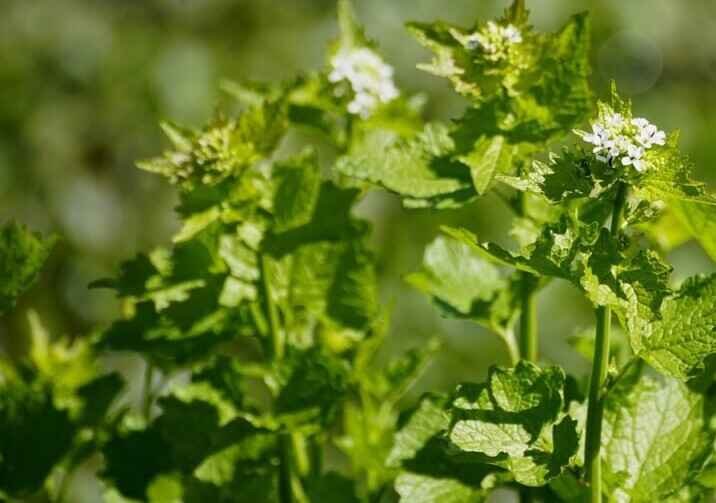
(84, 84)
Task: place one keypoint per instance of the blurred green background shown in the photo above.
(84, 84)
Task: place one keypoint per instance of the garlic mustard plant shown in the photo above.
(260, 325)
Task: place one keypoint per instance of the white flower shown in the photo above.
(634, 157)
(647, 133)
(616, 139)
(370, 78)
(597, 137)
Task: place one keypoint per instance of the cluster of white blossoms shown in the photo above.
(615, 138)
(495, 40)
(368, 75)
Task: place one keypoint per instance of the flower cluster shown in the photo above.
(370, 78)
(616, 138)
(495, 40)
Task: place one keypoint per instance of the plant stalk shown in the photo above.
(529, 341)
(147, 393)
(529, 337)
(600, 366)
(278, 350)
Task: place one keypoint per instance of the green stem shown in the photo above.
(528, 335)
(278, 349)
(284, 469)
(277, 340)
(147, 394)
(529, 338)
(600, 365)
(528, 319)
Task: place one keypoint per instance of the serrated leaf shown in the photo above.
(315, 385)
(193, 442)
(418, 488)
(607, 274)
(224, 149)
(465, 285)
(22, 255)
(528, 89)
(419, 169)
(513, 421)
(429, 474)
(185, 332)
(654, 438)
(298, 182)
(552, 254)
(669, 176)
(454, 273)
(683, 335)
(700, 222)
(431, 418)
(567, 176)
(35, 435)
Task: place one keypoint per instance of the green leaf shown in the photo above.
(700, 222)
(552, 254)
(332, 487)
(608, 274)
(315, 385)
(668, 231)
(429, 420)
(570, 175)
(224, 149)
(654, 438)
(418, 488)
(328, 288)
(193, 443)
(513, 421)
(669, 176)
(419, 169)
(98, 395)
(455, 273)
(429, 473)
(465, 285)
(186, 332)
(35, 434)
(488, 157)
(298, 182)
(683, 334)
(528, 90)
(22, 255)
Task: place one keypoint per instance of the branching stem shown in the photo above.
(600, 365)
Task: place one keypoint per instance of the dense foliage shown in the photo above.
(261, 322)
